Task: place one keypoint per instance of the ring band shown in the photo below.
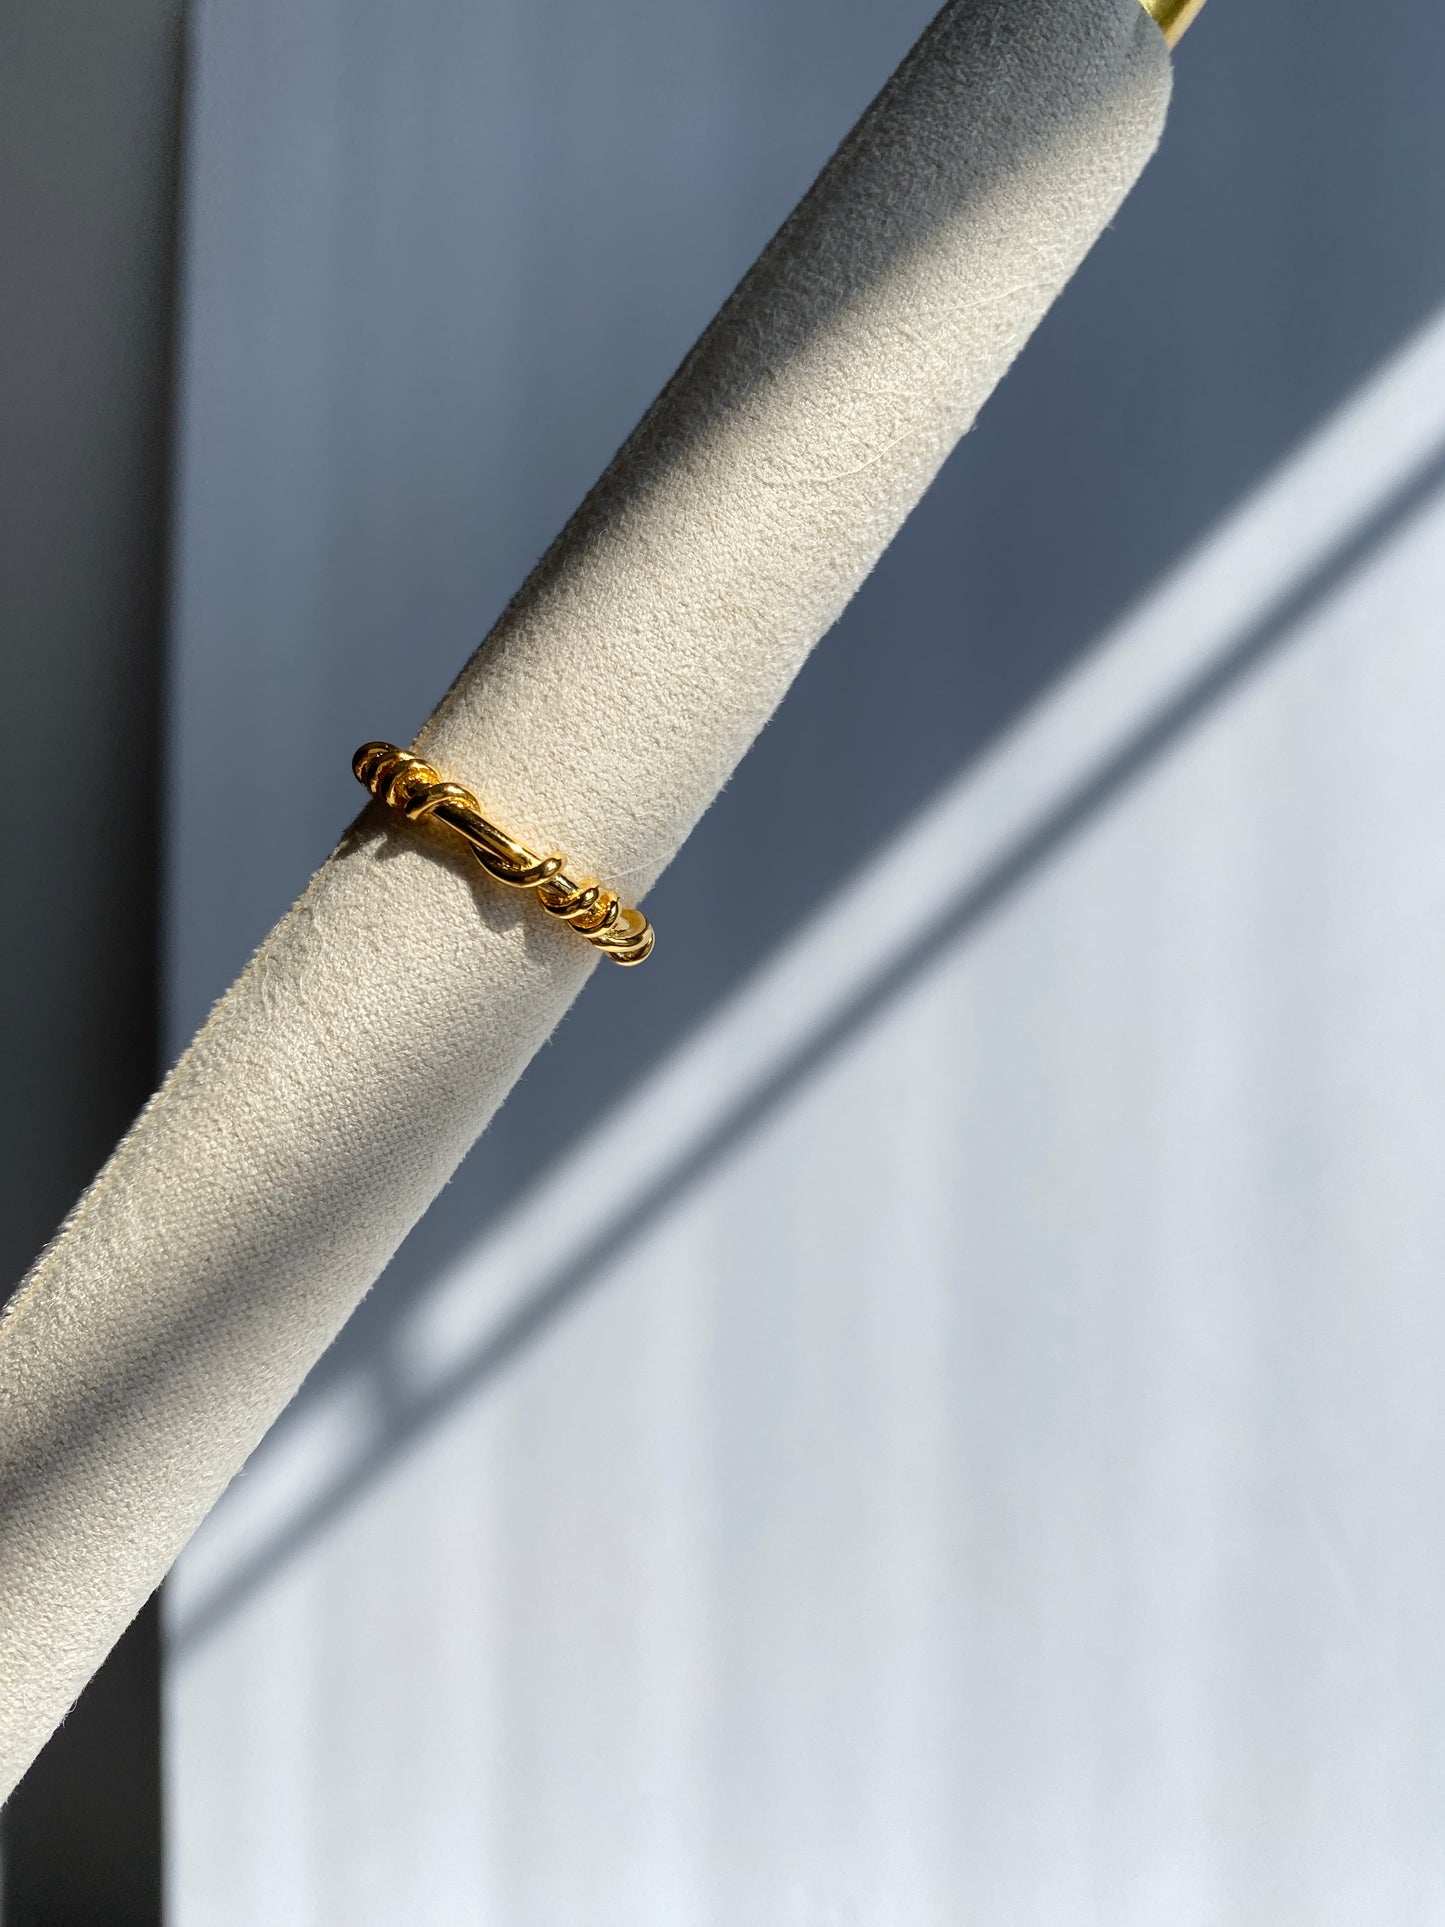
(404, 782)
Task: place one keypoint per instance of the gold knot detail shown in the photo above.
(405, 783)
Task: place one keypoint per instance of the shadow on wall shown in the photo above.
(405, 1410)
(1251, 282)
(1269, 259)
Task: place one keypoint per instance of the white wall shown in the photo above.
(998, 1479)
(922, 1408)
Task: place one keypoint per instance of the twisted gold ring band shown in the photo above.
(404, 782)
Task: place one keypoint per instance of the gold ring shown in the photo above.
(404, 782)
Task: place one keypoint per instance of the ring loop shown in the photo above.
(405, 783)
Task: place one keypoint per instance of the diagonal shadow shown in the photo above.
(1016, 867)
(1097, 431)
(1258, 273)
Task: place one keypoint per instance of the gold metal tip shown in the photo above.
(1174, 16)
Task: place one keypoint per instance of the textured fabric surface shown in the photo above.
(344, 1076)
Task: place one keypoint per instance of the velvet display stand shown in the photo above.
(336, 1087)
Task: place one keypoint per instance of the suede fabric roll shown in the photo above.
(339, 1083)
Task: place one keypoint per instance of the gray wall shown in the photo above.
(947, 1510)
(88, 140)
(89, 133)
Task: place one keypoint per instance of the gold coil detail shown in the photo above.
(405, 783)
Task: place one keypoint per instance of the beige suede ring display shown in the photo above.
(331, 1094)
